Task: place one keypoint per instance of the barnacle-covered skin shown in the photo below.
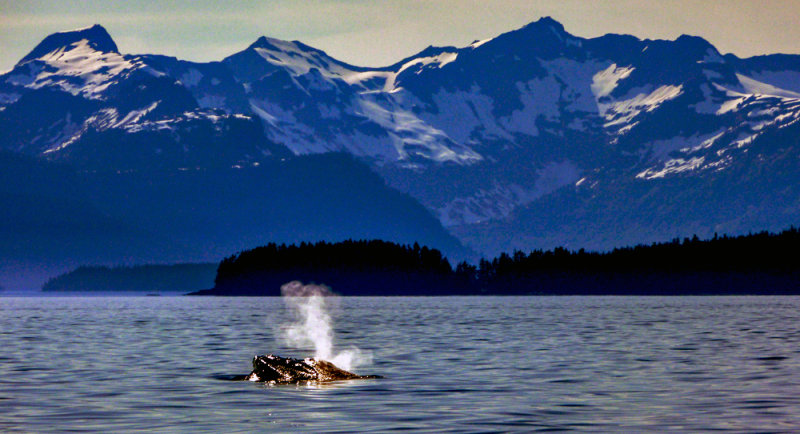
(284, 370)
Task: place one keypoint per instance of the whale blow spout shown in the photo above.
(283, 370)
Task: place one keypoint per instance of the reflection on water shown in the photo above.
(462, 364)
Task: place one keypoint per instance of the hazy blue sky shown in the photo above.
(380, 32)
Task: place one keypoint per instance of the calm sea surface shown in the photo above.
(450, 364)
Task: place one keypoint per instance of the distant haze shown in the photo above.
(370, 33)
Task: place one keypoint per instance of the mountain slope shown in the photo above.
(531, 139)
(55, 218)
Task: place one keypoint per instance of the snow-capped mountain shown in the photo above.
(75, 94)
(530, 139)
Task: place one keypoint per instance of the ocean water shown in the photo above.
(591, 364)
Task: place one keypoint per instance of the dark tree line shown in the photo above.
(351, 267)
(761, 263)
(350, 255)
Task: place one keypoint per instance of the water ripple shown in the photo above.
(474, 364)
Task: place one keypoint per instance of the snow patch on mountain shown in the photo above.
(135, 115)
(605, 81)
(25, 75)
(621, 112)
(412, 136)
(417, 66)
(755, 87)
(576, 80)
(67, 132)
(78, 69)
(477, 44)
(660, 150)
(460, 114)
(733, 104)
(539, 98)
(713, 100)
(567, 86)
(673, 166)
(786, 80)
(265, 109)
(297, 58)
(373, 81)
(437, 61)
(705, 144)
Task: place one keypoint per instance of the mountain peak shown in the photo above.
(682, 51)
(271, 44)
(547, 23)
(262, 41)
(544, 27)
(543, 38)
(694, 43)
(544, 31)
(96, 36)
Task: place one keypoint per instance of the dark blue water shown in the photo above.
(589, 364)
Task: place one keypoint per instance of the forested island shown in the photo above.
(349, 267)
(175, 278)
(762, 263)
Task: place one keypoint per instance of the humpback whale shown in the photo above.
(284, 370)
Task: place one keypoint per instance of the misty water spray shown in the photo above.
(313, 325)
